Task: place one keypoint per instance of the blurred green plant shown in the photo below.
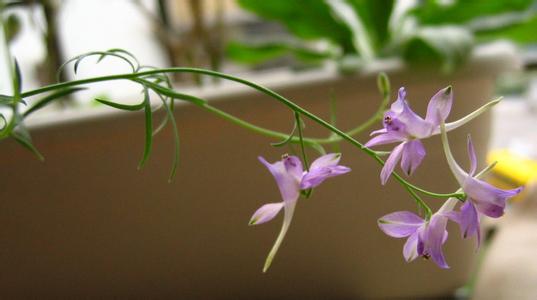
(46, 69)
(425, 33)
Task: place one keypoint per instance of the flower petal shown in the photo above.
(265, 213)
(413, 154)
(293, 166)
(316, 176)
(398, 105)
(410, 249)
(286, 181)
(488, 199)
(435, 237)
(401, 113)
(385, 138)
(375, 132)
(400, 224)
(468, 220)
(439, 106)
(390, 163)
(289, 209)
(392, 123)
(327, 160)
(472, 156)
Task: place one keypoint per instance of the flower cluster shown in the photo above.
(426, 236)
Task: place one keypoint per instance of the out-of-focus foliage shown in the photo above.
(431, 32)
(255, 54)
(13, 27)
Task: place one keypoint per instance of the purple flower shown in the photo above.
(425, 238)
(481, 197)
(291, 178)
(403, 125)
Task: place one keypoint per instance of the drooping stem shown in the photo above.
(296, 108)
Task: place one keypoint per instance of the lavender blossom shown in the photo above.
(425, 238)
(291, 178)
(481, 197)
(403, 125)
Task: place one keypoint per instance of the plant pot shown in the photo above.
(86, 223)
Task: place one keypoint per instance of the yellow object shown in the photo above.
(512, 170)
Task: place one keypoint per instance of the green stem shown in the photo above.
(296, 108)
(300, 136)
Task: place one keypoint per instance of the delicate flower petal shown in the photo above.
(293, 166)
(289, 210)
(398, 105)
(316, 176)
(386, 138)
(289, 174)
(468, 220)
(392, 123)
(266, 213)
(400, 224)
(413, 154)
(391, 162)
(489, 200)
(375, 132)
(286, 181)
(435, 237)
(410, 249)
(401, 113)
(490, 209)
(439, 106)
(425, 238)
(327, 160)
(472, 156)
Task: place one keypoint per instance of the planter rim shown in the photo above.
(492, 59)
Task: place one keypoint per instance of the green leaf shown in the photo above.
(522, 33)
(171, 117)
(119, 50)
(286, 140)
(100, 56)
(161, 126)
(49, 98)
(4, 122)
(13, 27)
(17, 80)
(446, 46)
(255, 54)
(460, 11)
(22, 136)
(77, 62)
(148, 129)
(347, 15)
(306, 19)
(375, 15)
(318, 147)
(127, 107)
(6, 100)
(170, 93)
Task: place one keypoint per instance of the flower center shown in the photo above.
(388, 120)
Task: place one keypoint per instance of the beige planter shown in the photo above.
(86, 223)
